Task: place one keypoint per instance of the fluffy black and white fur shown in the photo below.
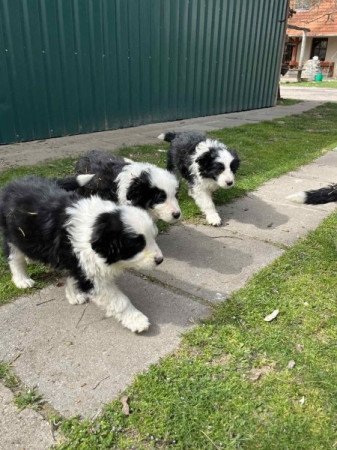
(206, 164)
(317, 196)
(73, 182)
(131, 183)
(91, 238)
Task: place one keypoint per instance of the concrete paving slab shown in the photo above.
(210, 264)
(317, 171)
(277, 190)
(228, 123)
(201, 127)
(22, 430)
(329, 159)
(77, 358)
(262, 219)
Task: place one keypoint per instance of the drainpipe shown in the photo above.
(301, 60)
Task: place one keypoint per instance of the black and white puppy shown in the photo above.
(206, 164)
(91, 238)
(131, 183)
(317, 196)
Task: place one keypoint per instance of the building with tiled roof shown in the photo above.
(314, 34)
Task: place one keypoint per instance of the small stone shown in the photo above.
(272, 315)
(299, 347)
(291, 364)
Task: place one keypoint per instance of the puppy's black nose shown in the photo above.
(158, 260)
(229, 183)
(176, 215)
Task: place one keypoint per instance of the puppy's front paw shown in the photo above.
(137, 322)
(23, 282)
(214, 219)
(77, 299)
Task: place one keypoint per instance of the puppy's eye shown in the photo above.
(218, 168)
(160, 197)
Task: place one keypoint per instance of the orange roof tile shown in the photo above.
(320, 19)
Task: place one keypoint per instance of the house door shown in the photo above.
(319, 46)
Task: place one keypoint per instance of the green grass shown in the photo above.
(267, 150)
(319, 84)
(29, 398)
(203, 396)
(7, 376)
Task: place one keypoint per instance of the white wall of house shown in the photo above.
(331, 53)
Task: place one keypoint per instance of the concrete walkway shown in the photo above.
(309, 93)
(80, 360)
(29, 153)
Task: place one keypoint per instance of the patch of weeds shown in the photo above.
(7, 376)
(29, 398)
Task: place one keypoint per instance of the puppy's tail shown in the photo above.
(168, 137)
(316, 197)
(74, 182)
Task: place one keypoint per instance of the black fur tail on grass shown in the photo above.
(316, 197)
(168, 137)
(74, 182)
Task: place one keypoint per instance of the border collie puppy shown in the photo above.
(92, 239)
(316, 197)
(206, 165)
(131, 183)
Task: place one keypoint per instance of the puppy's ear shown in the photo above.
(112, 241)
(206, 160)
(235, 164)
(139, 190)
(106, 236)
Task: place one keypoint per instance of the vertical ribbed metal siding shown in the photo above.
(77, 66)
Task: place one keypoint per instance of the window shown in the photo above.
(319, 46)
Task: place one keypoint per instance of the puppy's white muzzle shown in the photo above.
(168, 211)
(226, 181)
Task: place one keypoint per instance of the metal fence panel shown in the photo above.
(78, 66)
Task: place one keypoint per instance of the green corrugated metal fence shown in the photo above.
(78, 66)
